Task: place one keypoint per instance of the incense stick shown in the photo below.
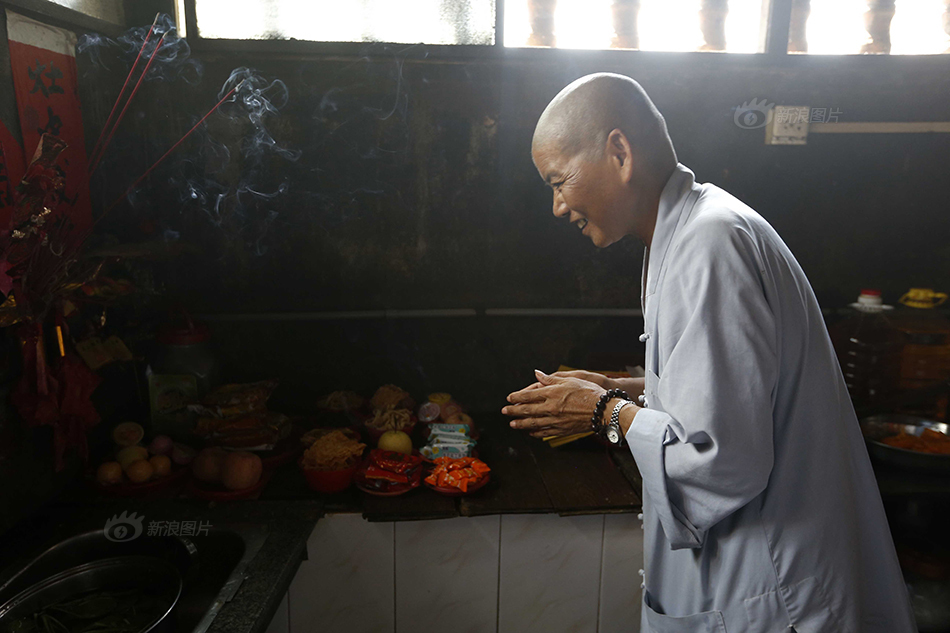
(68, 258)
(166, 154)
(105, 145)
(561, 440)
(118, 97)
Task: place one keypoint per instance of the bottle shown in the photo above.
(868, 348)
(182, 369)
(925, 359)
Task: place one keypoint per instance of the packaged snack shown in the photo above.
(387, 469)
(236, 399)
(457, 473)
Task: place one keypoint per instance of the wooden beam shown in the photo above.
(867, 127)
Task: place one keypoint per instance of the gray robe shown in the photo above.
(761, 511)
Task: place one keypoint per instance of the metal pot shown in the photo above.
(877, 427)
(153, 576)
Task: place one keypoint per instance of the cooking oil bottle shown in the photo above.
(925, 359)
(868, 348)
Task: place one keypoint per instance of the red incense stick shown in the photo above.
(105, 145)
(166, 154)
(118, 98)
(65, 261)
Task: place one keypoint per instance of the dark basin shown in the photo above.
(211, 564)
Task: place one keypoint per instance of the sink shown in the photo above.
(211, 564)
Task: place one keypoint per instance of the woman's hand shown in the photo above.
(555, 405)
(598, 379)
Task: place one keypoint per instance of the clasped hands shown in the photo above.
(557, 404)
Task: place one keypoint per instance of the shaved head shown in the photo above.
(579, 119)
(602, 147)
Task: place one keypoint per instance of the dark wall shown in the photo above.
(415, 190)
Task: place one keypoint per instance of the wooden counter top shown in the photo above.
(528, 476)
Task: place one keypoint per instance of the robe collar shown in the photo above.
(676, 201)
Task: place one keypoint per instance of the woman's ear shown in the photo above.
(621, 153)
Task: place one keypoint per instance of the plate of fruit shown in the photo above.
(223, 475)
(137, 469)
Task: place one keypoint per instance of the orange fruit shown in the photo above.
(127, 434)
(131, 454)
(240, 470)
(162, 464)
(109, 473)
(139, 471)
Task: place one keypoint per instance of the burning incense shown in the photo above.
(118, 98)
(105, 145)
(64, 262)
(168, 153)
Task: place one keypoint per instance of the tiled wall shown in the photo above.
(504, 574)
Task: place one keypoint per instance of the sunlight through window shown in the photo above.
(406, 21)
(662, 25)
(838, 27)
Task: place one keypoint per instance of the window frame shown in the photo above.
(775, 45)
(64, 17)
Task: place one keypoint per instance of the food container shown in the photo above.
(329, 481)
(373, 433)
(878, 427)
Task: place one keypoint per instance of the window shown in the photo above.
(403, 21)
(825, 27)
(847, 27)
(733, 26)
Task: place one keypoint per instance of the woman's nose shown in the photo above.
(560, 209)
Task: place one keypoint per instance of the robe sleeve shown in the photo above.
(707, 450)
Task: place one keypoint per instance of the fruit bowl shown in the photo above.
(329, 481)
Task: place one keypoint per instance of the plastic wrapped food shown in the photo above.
(457, 473)
(236, 399)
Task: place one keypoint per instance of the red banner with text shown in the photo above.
(43, 62)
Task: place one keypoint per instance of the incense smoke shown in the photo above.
(256, 99)
(244, 210)
(173, 59)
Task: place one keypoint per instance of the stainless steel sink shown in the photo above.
(212, 566)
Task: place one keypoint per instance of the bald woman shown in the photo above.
(760, 509)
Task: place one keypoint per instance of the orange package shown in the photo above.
(457, 472)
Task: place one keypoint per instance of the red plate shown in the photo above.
(208, 492)
(393, 491)
(129, 489)
(284, 451)
(455, 492)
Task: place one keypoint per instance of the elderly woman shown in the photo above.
(761, 512)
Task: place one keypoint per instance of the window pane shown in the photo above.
(850, 27)
(401, 21)
(732, 26)
(918, 28)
